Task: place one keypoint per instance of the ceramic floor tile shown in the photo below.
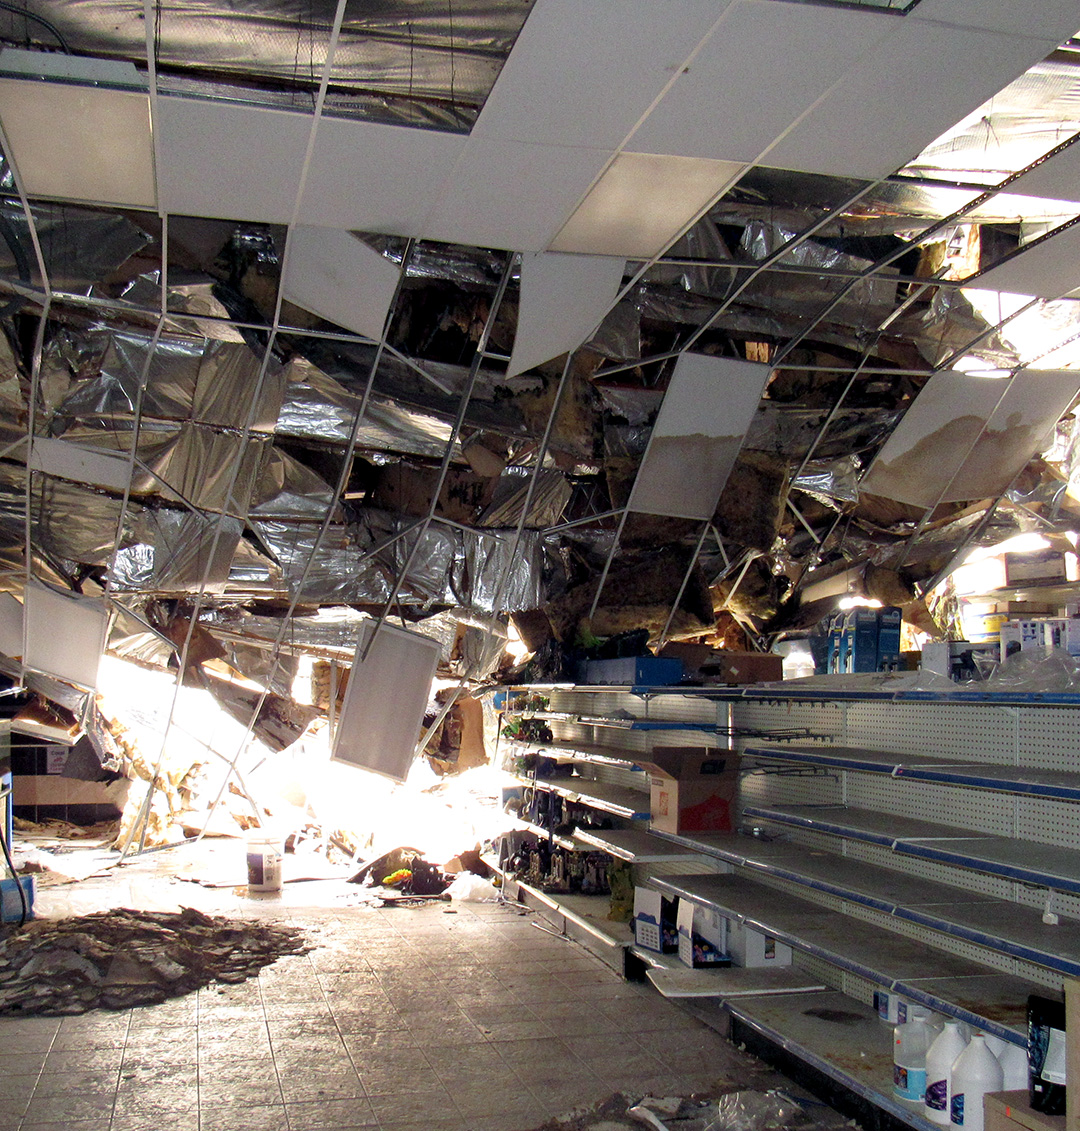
(70, 1125)
(243, 1119)
(330, 1113)
(57, 1109)
(102, 1082)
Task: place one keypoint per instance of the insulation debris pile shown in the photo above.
(122, 958)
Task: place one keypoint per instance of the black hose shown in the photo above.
(15, 875)
(50, 27)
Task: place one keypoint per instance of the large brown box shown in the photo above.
(1010, 1111)
(692, 788)
(743, 667)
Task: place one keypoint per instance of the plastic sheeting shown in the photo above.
(409, 58)
(81, 246)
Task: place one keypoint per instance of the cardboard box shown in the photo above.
(864, 640)
(890, 619)
(692, 788)
(748, 947)
(633, 671)
(1022, 636)
(693, 656)
(1043, 565)
(744, 667)
(1010, 1111)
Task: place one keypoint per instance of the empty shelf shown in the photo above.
(990, 1000)
(635, 845)
(1045, 865)
(1058, 784)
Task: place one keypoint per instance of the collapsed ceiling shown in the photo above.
(241, 433)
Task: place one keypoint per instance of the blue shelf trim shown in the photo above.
(954, 773)
(993, 867)
(817, 826)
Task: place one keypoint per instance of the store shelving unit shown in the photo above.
(920, 841)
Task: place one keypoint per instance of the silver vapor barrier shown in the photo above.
(395, 61)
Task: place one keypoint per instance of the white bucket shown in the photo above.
(264, 864)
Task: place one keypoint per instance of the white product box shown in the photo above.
(693, 920)
(1022, 636)
(936, 657)
(748, 947)
(647, 913)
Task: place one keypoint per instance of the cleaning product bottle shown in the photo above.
(943, 1050)
(975, 1073)
(910, 1042)
(1014, 1067)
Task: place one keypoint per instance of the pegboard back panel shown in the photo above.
(763, 783)
(1048, 739)
(978, 810)
(968, 732)
(822, 722)
(1047, 821)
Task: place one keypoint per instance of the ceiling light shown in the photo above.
(78, 128)
(642, 202)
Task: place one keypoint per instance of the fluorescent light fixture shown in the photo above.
(78, 129)
(642, 202)
(385, 701)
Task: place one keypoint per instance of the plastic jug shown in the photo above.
(941, 1054)
(910, 1042)
(975, 1073)
(1014, 1067)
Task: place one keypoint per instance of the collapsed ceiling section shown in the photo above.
(236, 435)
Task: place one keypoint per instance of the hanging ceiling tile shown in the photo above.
(337, 276)
(64, 634)
(1050, 269)
(697, 436)
(563, 299)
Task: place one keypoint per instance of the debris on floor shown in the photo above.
(735, 1111)
(122, 958)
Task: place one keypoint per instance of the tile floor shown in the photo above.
(399, 1019)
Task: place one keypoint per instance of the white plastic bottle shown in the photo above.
(910, 1042)
(975, 1073)
(941, 1054)
(1014, 1067)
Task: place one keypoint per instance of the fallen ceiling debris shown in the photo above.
(121, 958)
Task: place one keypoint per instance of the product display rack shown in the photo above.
(916, 841)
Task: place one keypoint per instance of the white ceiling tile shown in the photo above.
(699, 431)
(507, 194)
(929, 445)
(917, 83)
(11, 626)
(64, 634)
(227, 161)
(584, 73)
(563, 299)
(1058, 178)
(376, 178)
(80, 142)
(1018, 428)
(1048, 270)
(80, 465)
(1056, 19)
(772, 57)
(642, 202)
(337, 276)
